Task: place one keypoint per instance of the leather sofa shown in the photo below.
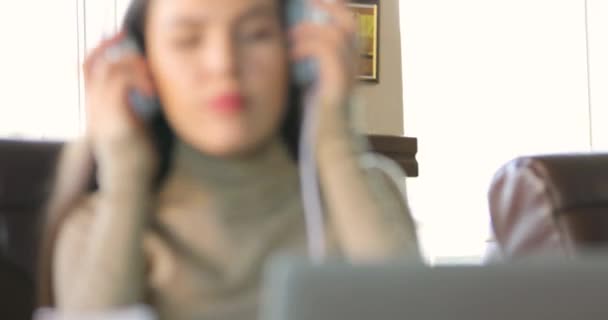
(25, 177)
(16, 292)
(26, 172)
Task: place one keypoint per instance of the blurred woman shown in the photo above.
(186, 209)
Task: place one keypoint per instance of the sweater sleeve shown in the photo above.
(370, 216)
(98, 260)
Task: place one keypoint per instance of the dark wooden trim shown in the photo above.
(402, 150)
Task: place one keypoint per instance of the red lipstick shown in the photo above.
(228, 102)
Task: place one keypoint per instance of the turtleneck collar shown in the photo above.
(268, 163)
(254, 182)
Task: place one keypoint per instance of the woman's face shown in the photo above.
(220, 67)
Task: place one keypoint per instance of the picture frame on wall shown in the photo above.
(367, 15)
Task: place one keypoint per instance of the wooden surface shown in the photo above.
(402, 150)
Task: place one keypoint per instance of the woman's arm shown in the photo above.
(371, 223)
(100, 263)
(369, 215)
(99, 260)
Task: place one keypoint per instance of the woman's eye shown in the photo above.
(259, 34)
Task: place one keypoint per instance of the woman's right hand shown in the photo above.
(119, 140)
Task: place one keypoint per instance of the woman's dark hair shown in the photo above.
(75, 176)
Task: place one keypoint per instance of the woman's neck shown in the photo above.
(195, 175)
(220, 171)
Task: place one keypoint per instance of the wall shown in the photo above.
(383, 113)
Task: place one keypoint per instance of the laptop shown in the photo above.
(295, 289)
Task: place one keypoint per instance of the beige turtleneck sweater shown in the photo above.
(213, 226)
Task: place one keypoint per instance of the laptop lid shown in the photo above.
(556, 290)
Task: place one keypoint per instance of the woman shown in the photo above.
(186, 210)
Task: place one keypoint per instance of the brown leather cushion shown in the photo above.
(555, 204)
(26, 170)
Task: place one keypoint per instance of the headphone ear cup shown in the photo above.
(144, 107)
(305, 72)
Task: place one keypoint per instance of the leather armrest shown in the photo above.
(555, 204)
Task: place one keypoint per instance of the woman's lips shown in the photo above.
(228, 103)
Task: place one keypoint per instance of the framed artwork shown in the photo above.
(367, 15)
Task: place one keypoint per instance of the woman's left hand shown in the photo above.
(332, 46)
